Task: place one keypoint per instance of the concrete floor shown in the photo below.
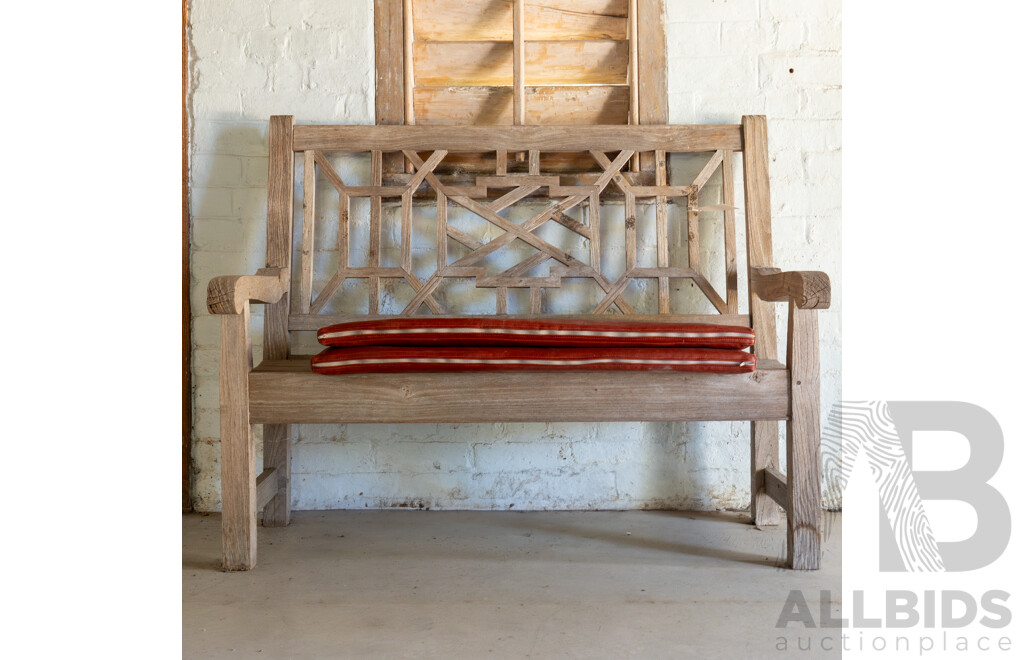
(474, 584)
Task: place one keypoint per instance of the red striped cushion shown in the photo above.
(391, 359)
(491, 331)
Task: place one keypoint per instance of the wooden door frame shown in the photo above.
(186, 311)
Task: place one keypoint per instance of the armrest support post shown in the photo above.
(237, 444)
(229, 297)
(803, 441)
(806, 292)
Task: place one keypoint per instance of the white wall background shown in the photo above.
(314, 59)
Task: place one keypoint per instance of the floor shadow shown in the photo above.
(665, 534)
(647, 542)
(199, 562)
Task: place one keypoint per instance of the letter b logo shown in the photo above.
(884, 432)
(967, 484)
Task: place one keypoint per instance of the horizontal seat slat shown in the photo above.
(288, 392)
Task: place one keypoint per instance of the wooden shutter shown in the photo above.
(457, 62)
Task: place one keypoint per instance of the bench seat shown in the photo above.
(287, 392)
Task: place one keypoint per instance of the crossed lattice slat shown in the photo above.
(376, 193)
(562, 200)
(527, 185)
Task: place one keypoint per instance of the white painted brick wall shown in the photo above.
(314, 59)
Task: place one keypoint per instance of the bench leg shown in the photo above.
(803, 442)
(237, 445)
(764, 453)
(277, 454)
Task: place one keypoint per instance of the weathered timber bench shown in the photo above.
(282, 390)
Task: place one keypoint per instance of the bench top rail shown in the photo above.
(372, 240)
(455, 139)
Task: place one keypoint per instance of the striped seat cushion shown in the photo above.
(391, 359)
(491, 331)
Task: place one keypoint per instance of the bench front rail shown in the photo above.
(409, 168)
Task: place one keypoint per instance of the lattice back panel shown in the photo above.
(423, 245)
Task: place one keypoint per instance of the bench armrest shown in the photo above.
(807, 289)
(228, 294)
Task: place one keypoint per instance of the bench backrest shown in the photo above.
(398, 249)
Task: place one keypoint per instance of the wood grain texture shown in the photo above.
(807, 289)
(652, 69)
(410, 65)
(279, 232)
(661, 191)
(389, 64)
(266, 487)
(709, 291)
(633, 69)
(661, 229)
(460, 179)
(344, 213)
(803, 441)
(518, 62)
(729, 229)
(708, 170)
(237, 445)
(764, 454)
(287, 392)
(652, 62)
(692, 232)
(515, 180)
(443, 63)
(376, 232)
(759, 227)
(308, 225)
(277, 455)
(388, 41)
(545, 20)
(442, 234)
(423, 294)
(456, 48)
(476, 139)
(630, 222)
(230, 294)
(375, 191)
(764, 436)
(276, 438)
(775, 487)
(535, 301)
(573, 224)
(406, 232)
(329, 172)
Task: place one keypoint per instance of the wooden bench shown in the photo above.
(282, 391)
